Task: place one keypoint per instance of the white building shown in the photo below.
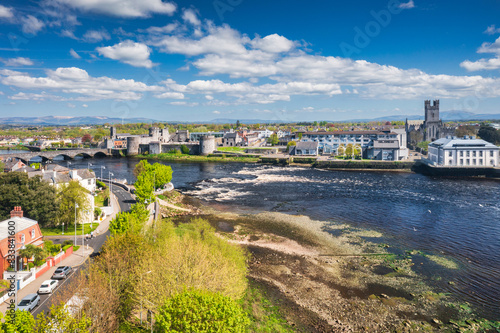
(377, 145)
(466, 152)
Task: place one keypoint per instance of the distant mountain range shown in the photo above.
(100, 120)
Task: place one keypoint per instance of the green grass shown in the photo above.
(57, 231)
(199, 158)
(100, 200)
(232, 149)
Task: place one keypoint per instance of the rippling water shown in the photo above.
(455, 218)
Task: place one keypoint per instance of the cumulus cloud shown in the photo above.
(490, 47)
(122, 8)
(6, 12)
(31, 25)
(491, 30)
(273, 43)
(129, 52)
(171, 95)
(190, 16)
(216, 112)
(74, 54)
(407, 5)
(43, 96)
(19, 61)
(85, 105)
(77, 81)
(161, 30)
(95, 36)
(485, 64)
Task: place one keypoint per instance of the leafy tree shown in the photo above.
(37, 198)
(132, 221)
(61, 320)
(300, 136)
(349, 150)
(23, 323)
(32, 251)
(87, 138)
(489, 134)
(140, 167)
(144, 187)
(201, 311)
(69, 195)
(290, 144)
(273, 139)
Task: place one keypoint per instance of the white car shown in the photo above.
(48, 286)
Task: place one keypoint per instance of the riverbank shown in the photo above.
(199, 158)
(329, 277)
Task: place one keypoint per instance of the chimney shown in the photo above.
(17, 212)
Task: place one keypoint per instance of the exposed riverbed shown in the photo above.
(449, 225)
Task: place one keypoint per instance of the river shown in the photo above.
(457, 219)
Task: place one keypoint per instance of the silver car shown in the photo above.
(62, 272)
(28, 303)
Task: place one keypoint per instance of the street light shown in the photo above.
(110, 188)
(102, 167)
(76, 206)
(89, 164)
(141, 293)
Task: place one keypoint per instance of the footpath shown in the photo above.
(74, 260)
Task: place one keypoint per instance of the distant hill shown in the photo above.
(68, 120)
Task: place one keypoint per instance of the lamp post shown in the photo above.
(110, 189)
(141, 293)
(76, 206)
(102, 167)
(89, 165)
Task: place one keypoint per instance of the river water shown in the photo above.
(458, 219)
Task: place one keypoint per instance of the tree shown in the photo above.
(132, 221)
(201, 311)
(61, 320)
(37, 198)
(184, 149)
(69, 195)
(290, 144)
(23, 323)
(349, 150)
(144, 187)
(273, 139)
(300, 135)
(147, 174)
(87, 138)
(489, 134)
(32, 251)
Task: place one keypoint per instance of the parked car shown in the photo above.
(28, 303)
(62, 272)
(48, 286)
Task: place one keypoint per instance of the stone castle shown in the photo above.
(159, 141)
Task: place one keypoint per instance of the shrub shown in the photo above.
(201, 311)
(31, 265)
(100, 184)
(39, 263)
(67, 242)
(97, 212)
(67, 247)
(184, 149)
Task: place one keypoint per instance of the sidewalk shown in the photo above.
(74, 260)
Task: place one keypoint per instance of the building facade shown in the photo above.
(431, 129)
(465, 152)
(27, 232)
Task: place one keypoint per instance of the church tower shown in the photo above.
(432, 123)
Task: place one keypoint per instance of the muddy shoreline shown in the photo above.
(329, 280)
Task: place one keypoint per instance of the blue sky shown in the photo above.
(242, 59)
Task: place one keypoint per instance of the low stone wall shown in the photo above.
(374, 165)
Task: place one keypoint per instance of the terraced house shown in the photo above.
(376, 145)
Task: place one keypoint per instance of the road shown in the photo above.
(125, 201)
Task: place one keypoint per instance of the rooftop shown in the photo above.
(454, 142)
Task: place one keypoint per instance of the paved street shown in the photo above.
(79, 260)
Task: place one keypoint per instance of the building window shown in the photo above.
(480, 153)
(491, 153)
(461, 161)
(90, 182)
(467, 161)
(474, 153)
(22, 238)
(474, 162)
(450, 162)
(450, 153)
(468, 153)
(461, 153)
(32, 233)
(481, 161)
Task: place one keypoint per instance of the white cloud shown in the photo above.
(171, 95)
(491, 30)
(95, 36)
(490, 47)
(43, 96)
(273, 43)
(31, 25)
(71, 105)
(85, 105)
(6, 12)
(407, 5)
(190, 16)
(68, 33)
(481, 64)
(19, 61)
(76, 81)
(74, 54)
(216, 112)
(209, 97)
(123, 8)
(162, 30)
(129, 52)
(184, 103)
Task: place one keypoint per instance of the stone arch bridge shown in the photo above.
(66, 154)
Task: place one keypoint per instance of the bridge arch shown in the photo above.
(64, 156)
(100, 154)
(84, 155)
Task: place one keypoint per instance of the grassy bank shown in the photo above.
(199, 158)
(57, 231)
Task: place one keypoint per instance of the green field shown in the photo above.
(198, 158)
(232, 149)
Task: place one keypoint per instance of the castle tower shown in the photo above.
(432, 111)
(112, 132)
(154, 133)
